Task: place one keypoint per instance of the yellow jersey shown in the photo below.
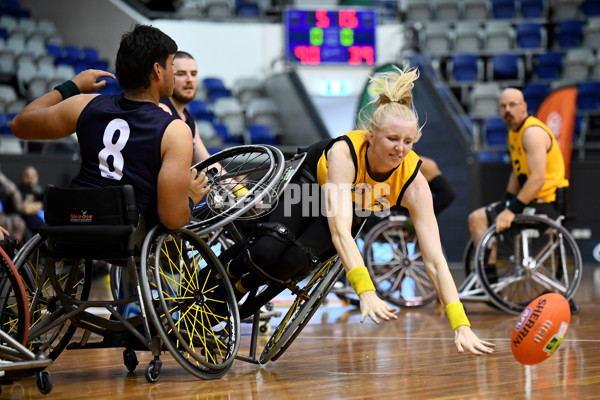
(368, 193)
(555, 166)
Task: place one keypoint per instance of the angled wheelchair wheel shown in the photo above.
(190, 301)
(394, 260)
(258, 168)
(73, 276)
(307, 301)
(14, 313)
(534, 256)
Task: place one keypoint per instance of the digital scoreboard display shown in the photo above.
(321, 37)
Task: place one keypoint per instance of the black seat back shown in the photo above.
(90, 222)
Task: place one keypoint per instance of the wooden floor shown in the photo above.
(336, 357)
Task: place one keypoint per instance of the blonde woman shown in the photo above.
(365, 171)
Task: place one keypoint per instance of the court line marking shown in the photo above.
(418, 338)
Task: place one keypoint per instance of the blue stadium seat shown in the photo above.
(90, 54)
(548, 66)
(465, 68)
(506, 66)
(588, 96)
(215, 87)
(590, 8)
(530, 35)
(200, 111)
(532, 9)
(261, 134)
(71, 54)
(534, 94)
(568, 34)
(503, 9)
(54, 50)
(247, 8)
(495, 132)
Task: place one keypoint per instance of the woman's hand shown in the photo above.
(372, 306)
(465, 339)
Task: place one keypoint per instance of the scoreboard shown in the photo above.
(322, 36)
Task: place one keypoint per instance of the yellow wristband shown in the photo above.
(240, 191)
(456, 315)
(360, 279)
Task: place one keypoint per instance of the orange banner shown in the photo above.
(557, 111)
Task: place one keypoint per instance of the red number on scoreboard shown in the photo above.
(348, 19)
(322, 18)
(308, 54)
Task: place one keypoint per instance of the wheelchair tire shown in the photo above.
(402, 260)
(190, 302)
(258, 168)
(14, 311)
(534, 256)
(306, 303)
(74, 278)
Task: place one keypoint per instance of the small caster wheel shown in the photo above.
(153, 371)
(130, 359)
(264, 328)
(43, 381)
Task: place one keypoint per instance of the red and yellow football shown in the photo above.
(540, 328)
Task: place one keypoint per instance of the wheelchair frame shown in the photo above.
(477, 286)
(16, 360)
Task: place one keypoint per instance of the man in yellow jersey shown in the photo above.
(538, 170)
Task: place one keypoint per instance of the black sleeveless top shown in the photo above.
(120, 143)
(189, 120)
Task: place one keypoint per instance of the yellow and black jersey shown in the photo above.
(368, 193)
(555, 166)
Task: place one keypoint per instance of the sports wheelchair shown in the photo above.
(265, 173)
(535, 256)
(16, 361)
(177, 285)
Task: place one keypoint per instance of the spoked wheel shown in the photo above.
(395, 263)
(534, 256)
(306, 303)
(73, 277)
(190, 301)
(257, 168)
(14, 314)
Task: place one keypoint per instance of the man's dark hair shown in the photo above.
(139, 50)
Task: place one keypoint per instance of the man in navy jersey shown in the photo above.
(186, 83)
(126, 138)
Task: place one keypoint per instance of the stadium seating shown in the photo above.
(535, 93)
(494, 132)
(569, 33)
(503, 9)
(548, 66)
(467, 37)
(533, 8)
(530, 35)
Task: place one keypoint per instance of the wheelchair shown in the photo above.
(391, 253)
(536, 255)
(180, 299)
(16, 361)
(263, 170)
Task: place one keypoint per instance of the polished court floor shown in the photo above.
(336, 357)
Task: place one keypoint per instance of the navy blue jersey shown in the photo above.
(189, 120)
(120, 143)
